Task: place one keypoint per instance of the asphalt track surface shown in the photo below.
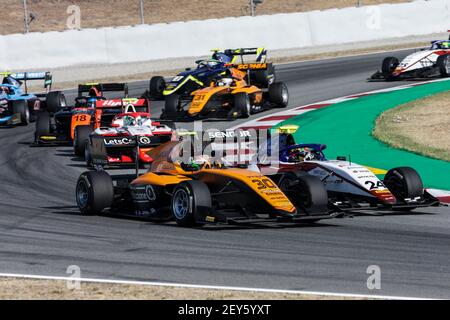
(42, 233)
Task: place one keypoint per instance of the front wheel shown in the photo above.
(42, 126)
(191, 200)
(172, 105)
(94, 192)
(242, 104)
(389, 64)
(404, 183)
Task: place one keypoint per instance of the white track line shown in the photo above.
(194, 286)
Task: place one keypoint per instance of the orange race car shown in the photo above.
(193, 191)
(92, 110)
(229, 96)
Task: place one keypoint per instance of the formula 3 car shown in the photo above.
(350, 186)
(228, 97)
(118, 141)
(193, 192)
(93, 109)
(432, 62)
(17, 106)
(207, 70)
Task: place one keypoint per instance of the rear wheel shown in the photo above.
(242, 104)
(279, 94)
(20, 107)
(404, 183)
(389, 64)
(157, 86)
(306, 192)
(42, 126)
(263, 78)
(94, 192)
(443, 63)
(55, 101)
(81, 136)
(190, 201)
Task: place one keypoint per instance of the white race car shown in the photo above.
(119, 139)
(350, 186)
(432, 62)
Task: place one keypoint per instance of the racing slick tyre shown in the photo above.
(81, 136)
(306, 192)
(404, 183)
(443, 63)
(190, 201)
(263, 78)
(20, 107)
(389, 64)
(279, 94)
(242, 104)
(42, 126)
(94, 192)
(55, 100)
(157, 86)
(172, 106)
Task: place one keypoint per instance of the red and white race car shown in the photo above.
(118, 140)
(427, 63)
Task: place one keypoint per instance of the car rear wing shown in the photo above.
(138, 105)
(103, 87)
(31, 76)
(261, 53)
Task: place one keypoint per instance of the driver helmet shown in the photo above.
(91, 102)
(298, 154)
(4, 89)
(212, 63)
(225, 82)
(129, 121)
(445, 44)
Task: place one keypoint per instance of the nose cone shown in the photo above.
(385, 196)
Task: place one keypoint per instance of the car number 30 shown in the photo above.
(264, 184)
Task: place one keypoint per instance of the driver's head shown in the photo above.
(225, 82)
(445, 45)
(212, 64)
(91, 102)
(129, 121)
(298, 154)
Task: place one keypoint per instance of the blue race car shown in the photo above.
(208, 70)
(17, 106)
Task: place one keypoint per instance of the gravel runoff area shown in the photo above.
(35, 289)
(70, 76)
(53, 15)
(399, 127)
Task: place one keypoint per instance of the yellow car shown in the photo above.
(195, 192)
(229, 96)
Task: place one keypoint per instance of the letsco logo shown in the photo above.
(120, 141)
